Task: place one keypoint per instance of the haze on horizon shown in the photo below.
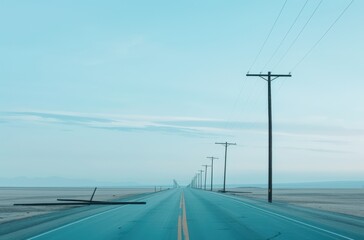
(139, 91)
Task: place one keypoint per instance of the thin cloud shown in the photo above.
(177, 125)
(322, 150)
(119, 123)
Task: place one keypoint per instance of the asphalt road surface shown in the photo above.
(186, 213)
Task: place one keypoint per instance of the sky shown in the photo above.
(138, 92)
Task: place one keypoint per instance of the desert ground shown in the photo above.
(12, 195)
(347, 201)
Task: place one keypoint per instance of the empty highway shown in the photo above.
(186, 213)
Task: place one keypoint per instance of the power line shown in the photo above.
(270, 32)
(285, 36)
(249, 102)
(299, 34)
(314, 46)
(253, 105)
(318, 41)
(247, 98)
(228, 122)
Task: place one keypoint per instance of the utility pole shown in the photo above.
(196, 181)
(201, 171)
(205, 173)
(226, 145)
(269, 78)
(212, 168)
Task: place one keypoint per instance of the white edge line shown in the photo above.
(81, 220)
(287, 218)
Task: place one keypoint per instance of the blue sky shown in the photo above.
(139, 91)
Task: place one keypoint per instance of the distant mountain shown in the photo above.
(333, 184)
(70, 182)
(328, 184)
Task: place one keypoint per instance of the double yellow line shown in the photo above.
(182, 220)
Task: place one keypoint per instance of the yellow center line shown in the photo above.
(182, 220)
(179, 236)
(179, 231)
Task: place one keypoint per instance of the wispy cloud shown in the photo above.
(178, 125)
(322, 150)
(184, 126)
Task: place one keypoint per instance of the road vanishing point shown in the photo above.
(187, 213)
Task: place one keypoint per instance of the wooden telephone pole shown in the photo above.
(269, 78)
(226, 145)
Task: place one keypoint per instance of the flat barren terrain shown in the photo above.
(12, 195)
(346, 201)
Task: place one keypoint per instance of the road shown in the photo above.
(186, 213)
